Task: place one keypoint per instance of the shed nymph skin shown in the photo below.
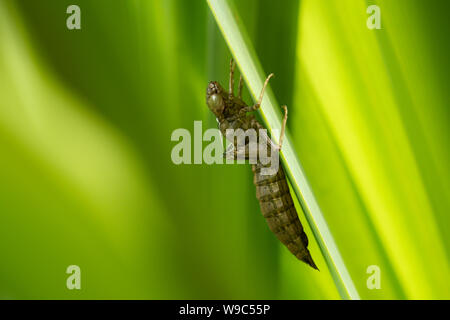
(272, 190)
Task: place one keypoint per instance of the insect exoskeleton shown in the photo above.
(272, 190)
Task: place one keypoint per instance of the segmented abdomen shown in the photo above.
(278, 208)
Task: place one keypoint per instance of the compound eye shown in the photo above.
(215, 99)
(215, 103)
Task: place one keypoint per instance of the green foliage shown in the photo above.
(86, 176)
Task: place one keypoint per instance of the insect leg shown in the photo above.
(258, 104)
(283, 127)
(234, 153)
(265, 137)
(231, 86)
(240, 87)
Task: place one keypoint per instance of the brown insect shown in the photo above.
(271, 189)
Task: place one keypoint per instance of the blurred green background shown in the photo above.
(86, 176)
